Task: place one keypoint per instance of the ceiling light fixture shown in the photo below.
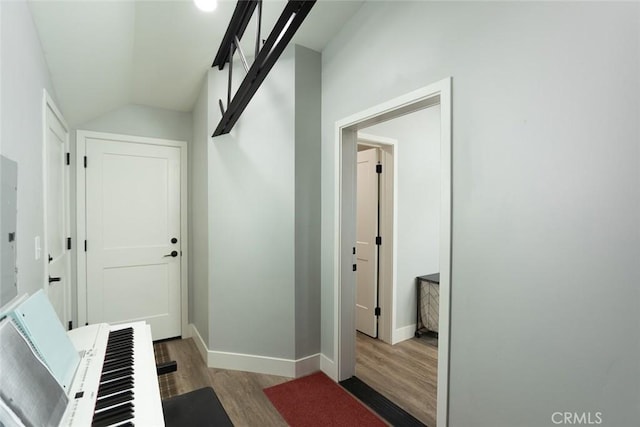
(206, 5)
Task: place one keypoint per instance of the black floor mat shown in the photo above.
(379, 404)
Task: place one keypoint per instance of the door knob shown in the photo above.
(54, 279)
(172, 254)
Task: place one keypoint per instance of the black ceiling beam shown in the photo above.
(283, 31)
(239, 21)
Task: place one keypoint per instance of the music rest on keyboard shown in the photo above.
(116, 382)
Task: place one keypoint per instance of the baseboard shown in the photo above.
(403, 334)
(307, 365)
(200, 344)
(252, 363)
(329, 367)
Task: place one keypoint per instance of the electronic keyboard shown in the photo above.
(116, 382)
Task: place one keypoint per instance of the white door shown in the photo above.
(133, 234)
(366, 249)
(56, 175)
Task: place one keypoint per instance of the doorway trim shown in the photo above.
(81, 220)
(48, 103)
(388, 231)
(345, 146)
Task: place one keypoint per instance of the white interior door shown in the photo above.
(56, 175)
(366, 249)
(133, 234)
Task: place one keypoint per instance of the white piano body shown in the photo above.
(91, 343)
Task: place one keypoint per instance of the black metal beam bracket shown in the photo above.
(266, 56)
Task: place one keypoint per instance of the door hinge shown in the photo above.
(70, 325)
(68, 159)
(85, 246)
(68, 243)
(378, 168)
(377, 311)
(354, 251)
(378, 240)
(354, 267)
(85, 161)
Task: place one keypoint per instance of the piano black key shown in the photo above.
(114, 335)
(120, 341)
(119, 347)
(115, 386)
(123, 331)
(120, 382)
(114, 415)
(118, 355)
(117, 363)
(119, 338)
(113, 420)
(114, 399)
(114, 382)
(112, 375)
(116, 338)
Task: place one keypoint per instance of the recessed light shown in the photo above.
(206, 5)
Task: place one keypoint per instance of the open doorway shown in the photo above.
(402, 368)
(346, 201)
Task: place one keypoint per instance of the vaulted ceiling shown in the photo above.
(106, 54)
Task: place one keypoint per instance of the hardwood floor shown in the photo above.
(239, 392)
(405, 373)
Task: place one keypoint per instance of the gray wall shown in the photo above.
(546, 194)
(23, 77)
(199, 217)
(251, 219)
(140, 120)
(307, 201)
(418, 151)
(264, 223)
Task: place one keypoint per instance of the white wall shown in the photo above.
(546, 194)
(418, 152)
(23, 76)
(199, 216)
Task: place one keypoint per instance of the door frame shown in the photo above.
(388, 231)
(345, 146)
(48, 103)
(81, 220)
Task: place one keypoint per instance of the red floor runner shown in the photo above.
(316, 400)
